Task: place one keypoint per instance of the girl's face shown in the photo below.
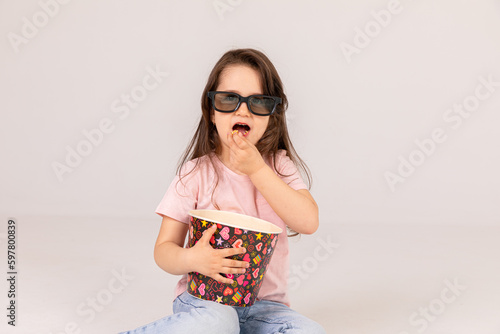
(245, 81)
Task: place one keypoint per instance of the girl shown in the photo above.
(240, 159)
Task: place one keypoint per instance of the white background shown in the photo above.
(350, 122)
(352, 118)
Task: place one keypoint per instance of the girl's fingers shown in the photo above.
(240, 140)
(207, 234)
(228, 270)
(233, 271)
(235, 264)
(230, 140)
(226, 252)
(222, 279)
(236, 139)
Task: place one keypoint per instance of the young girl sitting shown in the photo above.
(241, 160)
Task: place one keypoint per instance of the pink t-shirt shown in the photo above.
(235, 193)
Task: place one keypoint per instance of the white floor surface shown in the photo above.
(98, 275)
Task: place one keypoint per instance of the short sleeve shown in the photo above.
(181, 195)
(291, 174)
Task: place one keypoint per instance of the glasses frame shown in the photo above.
(277, 100)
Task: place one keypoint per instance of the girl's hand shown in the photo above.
(212, 262)
(243, 155)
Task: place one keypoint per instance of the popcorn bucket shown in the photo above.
(258, 236)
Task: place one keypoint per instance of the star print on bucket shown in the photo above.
(259, 237)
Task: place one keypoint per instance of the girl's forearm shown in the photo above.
(297, 210)
(202, 258)
(172, 258)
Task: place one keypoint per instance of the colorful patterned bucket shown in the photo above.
(258, 236)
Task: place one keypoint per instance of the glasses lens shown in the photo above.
(262, 105)
(226, 101)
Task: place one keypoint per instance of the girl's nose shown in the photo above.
(243, 109)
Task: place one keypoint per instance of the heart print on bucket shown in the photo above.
(258, 236)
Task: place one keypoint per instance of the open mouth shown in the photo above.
(241, 127)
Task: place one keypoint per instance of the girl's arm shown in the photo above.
(171, 256)
(296, 208)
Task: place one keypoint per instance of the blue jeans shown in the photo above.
(193, 315)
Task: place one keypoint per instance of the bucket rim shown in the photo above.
(202, 214)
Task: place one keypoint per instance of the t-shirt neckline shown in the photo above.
(233, 174)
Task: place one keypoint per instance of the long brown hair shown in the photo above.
(206, 139)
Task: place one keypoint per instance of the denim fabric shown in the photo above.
(193, 315)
